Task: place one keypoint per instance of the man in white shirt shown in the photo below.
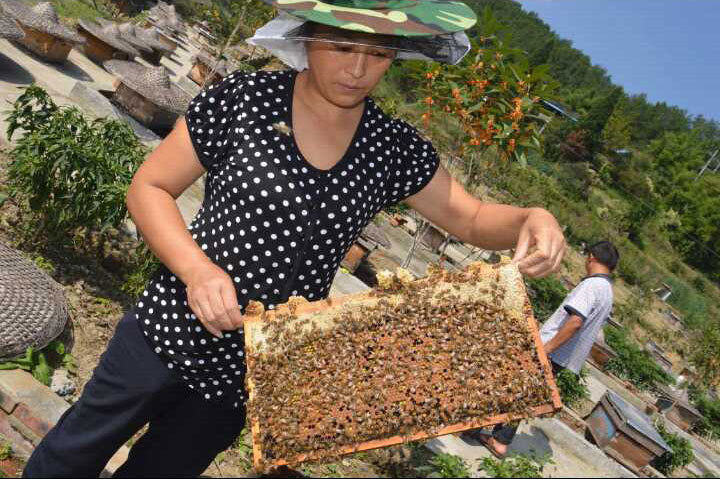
(568, 334)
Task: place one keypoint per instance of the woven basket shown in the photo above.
(33, 310)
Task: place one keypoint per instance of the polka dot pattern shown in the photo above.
(276, 224)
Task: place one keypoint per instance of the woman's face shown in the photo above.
(345, 74)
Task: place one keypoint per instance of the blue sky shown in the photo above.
(668, 49)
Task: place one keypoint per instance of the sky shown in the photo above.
(668, 49)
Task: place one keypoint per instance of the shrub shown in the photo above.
(633, 363)
(444, 465)
(73, 172)
(515, 465)
(547, 294)
(573, 387)
(710, 410)
(689, 302)
(680, 456)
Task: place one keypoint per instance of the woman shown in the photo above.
(297, 164)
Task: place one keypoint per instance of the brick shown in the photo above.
(33, 421)
(19, 386)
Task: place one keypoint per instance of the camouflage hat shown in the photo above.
(407, 18)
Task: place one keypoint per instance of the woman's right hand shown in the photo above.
(211, 296)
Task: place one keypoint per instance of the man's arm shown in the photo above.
(567, 331)
(446, 203)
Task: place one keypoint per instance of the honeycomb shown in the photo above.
(406, 361)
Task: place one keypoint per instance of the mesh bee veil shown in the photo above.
(285, 35)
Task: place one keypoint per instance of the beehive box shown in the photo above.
(417, 359)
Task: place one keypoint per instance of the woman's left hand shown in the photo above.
(542, 231)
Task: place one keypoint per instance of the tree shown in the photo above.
(596, 119)
(616, 134)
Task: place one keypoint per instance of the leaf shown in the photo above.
(58, 347)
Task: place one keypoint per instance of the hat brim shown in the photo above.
(447, 48)
(173, 98)
(407, 18)
(9, 29)
(116, 42)
(28, 17)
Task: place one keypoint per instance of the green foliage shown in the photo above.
(73, 172)
(689, 302)
(44, 264)
(573, 387)
(681, 455)
(705, 354)
(547, 294)
(5, 450)
(243, 446)
(616, 134)
(634, 363)
(223, 16)
(397, 209)
(515, 465)
(710, 410)
(36, 362)
(144, 265)
(444, 465)
(87, 10)
(597, 118)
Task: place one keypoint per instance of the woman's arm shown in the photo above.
(492, 226)
(168, 171)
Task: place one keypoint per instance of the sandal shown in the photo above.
(483, 438)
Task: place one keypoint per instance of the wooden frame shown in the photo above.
(299, 306)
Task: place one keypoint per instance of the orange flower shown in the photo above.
(456, 93)
(429, 75)
(517, 102)
(516, 115)
(426, 119)
(429, 100)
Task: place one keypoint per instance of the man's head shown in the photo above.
(601, 255)
(347, 65)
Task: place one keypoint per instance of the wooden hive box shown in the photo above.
(98, 50)
(625, 433)
(48, 47)
(435, 362)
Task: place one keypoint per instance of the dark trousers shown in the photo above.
(130, 387)
(505, 433)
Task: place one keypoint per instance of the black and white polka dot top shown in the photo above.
(276, 224)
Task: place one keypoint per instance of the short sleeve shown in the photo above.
(415, 164)
(581, 303)
(210, 115)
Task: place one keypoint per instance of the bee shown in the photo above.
(283, 128)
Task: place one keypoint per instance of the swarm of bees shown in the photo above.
(424, 356)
